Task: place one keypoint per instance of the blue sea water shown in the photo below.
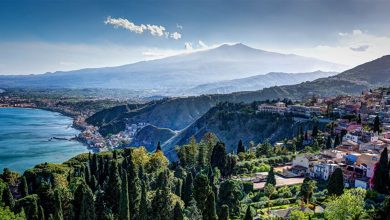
(25, 138)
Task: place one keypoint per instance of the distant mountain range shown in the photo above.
(175, 74)
(183, 114)
(257, 82)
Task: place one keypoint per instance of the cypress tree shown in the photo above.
(143, 211)
(158, 148)
(224, 213)
(58, 213)
(87, 209)
(100, 205)
(329, 142)
(240, 147)
(336, 141)
(113, 189)
(210, 212)
(134, 188)
(23, 187)
(377, 124)
(178, 212)
(219, 157)
(41, 213)
(381, 173)
(8, 198)
(124, 212)
(271, 177)
(188, 188)
(336, 183)
(248, 213)
(314, 133)
(202, 190)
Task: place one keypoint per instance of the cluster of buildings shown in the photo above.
(359, 147)
(295, 110)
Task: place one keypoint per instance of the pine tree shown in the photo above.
(188, 188)
(271, 177)
(178, 212)
(210, 210)
(224, 213)
(240, 147)
(23, 187)
(124, 213)
(248, 213)
(8, 198)
(380, 179)
(336, 183)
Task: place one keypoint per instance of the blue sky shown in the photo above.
(40, 36)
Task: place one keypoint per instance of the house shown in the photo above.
(335, 155)
(323, 171)
(278, 108)
(300, 165)
(368, 160)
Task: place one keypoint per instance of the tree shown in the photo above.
(248, 213)
(383, 212)
(58, 213)
(269, 190)
(314, 132)
(336, 183)
(30, 206)
(328, 142)
(307, 189)
(377, 125)
(210, 212)
(224, 213)
(271, 177)
(231, 193)
(336, 141)
(113, 188)
(240, 147)
(349, 205)
(87, 209)
(23, 187)
(298, 215)
(124, 212)
(380, 178)
(359, 120)
(8, 198)
(218, 157)
(178, 212)
(143, 211)
(158, 148)
(134, 187)
(187, 189)
(264, 150)
(202, 191)
(192, 212)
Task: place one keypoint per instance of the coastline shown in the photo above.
(63, 113)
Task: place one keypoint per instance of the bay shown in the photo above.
(25, 138)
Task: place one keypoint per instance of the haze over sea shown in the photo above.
(25, 134)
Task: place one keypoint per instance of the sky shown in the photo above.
(39, 36)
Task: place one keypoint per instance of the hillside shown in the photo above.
(150, 135)
(172, 75)
(231, 122)
(257, 82)
(178, 113)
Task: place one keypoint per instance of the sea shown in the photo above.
(26, 138)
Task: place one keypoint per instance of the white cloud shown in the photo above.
(155, 30)
(175, 35)
(188, 46)
(178, 26)
(202, 44)
(361, 48)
